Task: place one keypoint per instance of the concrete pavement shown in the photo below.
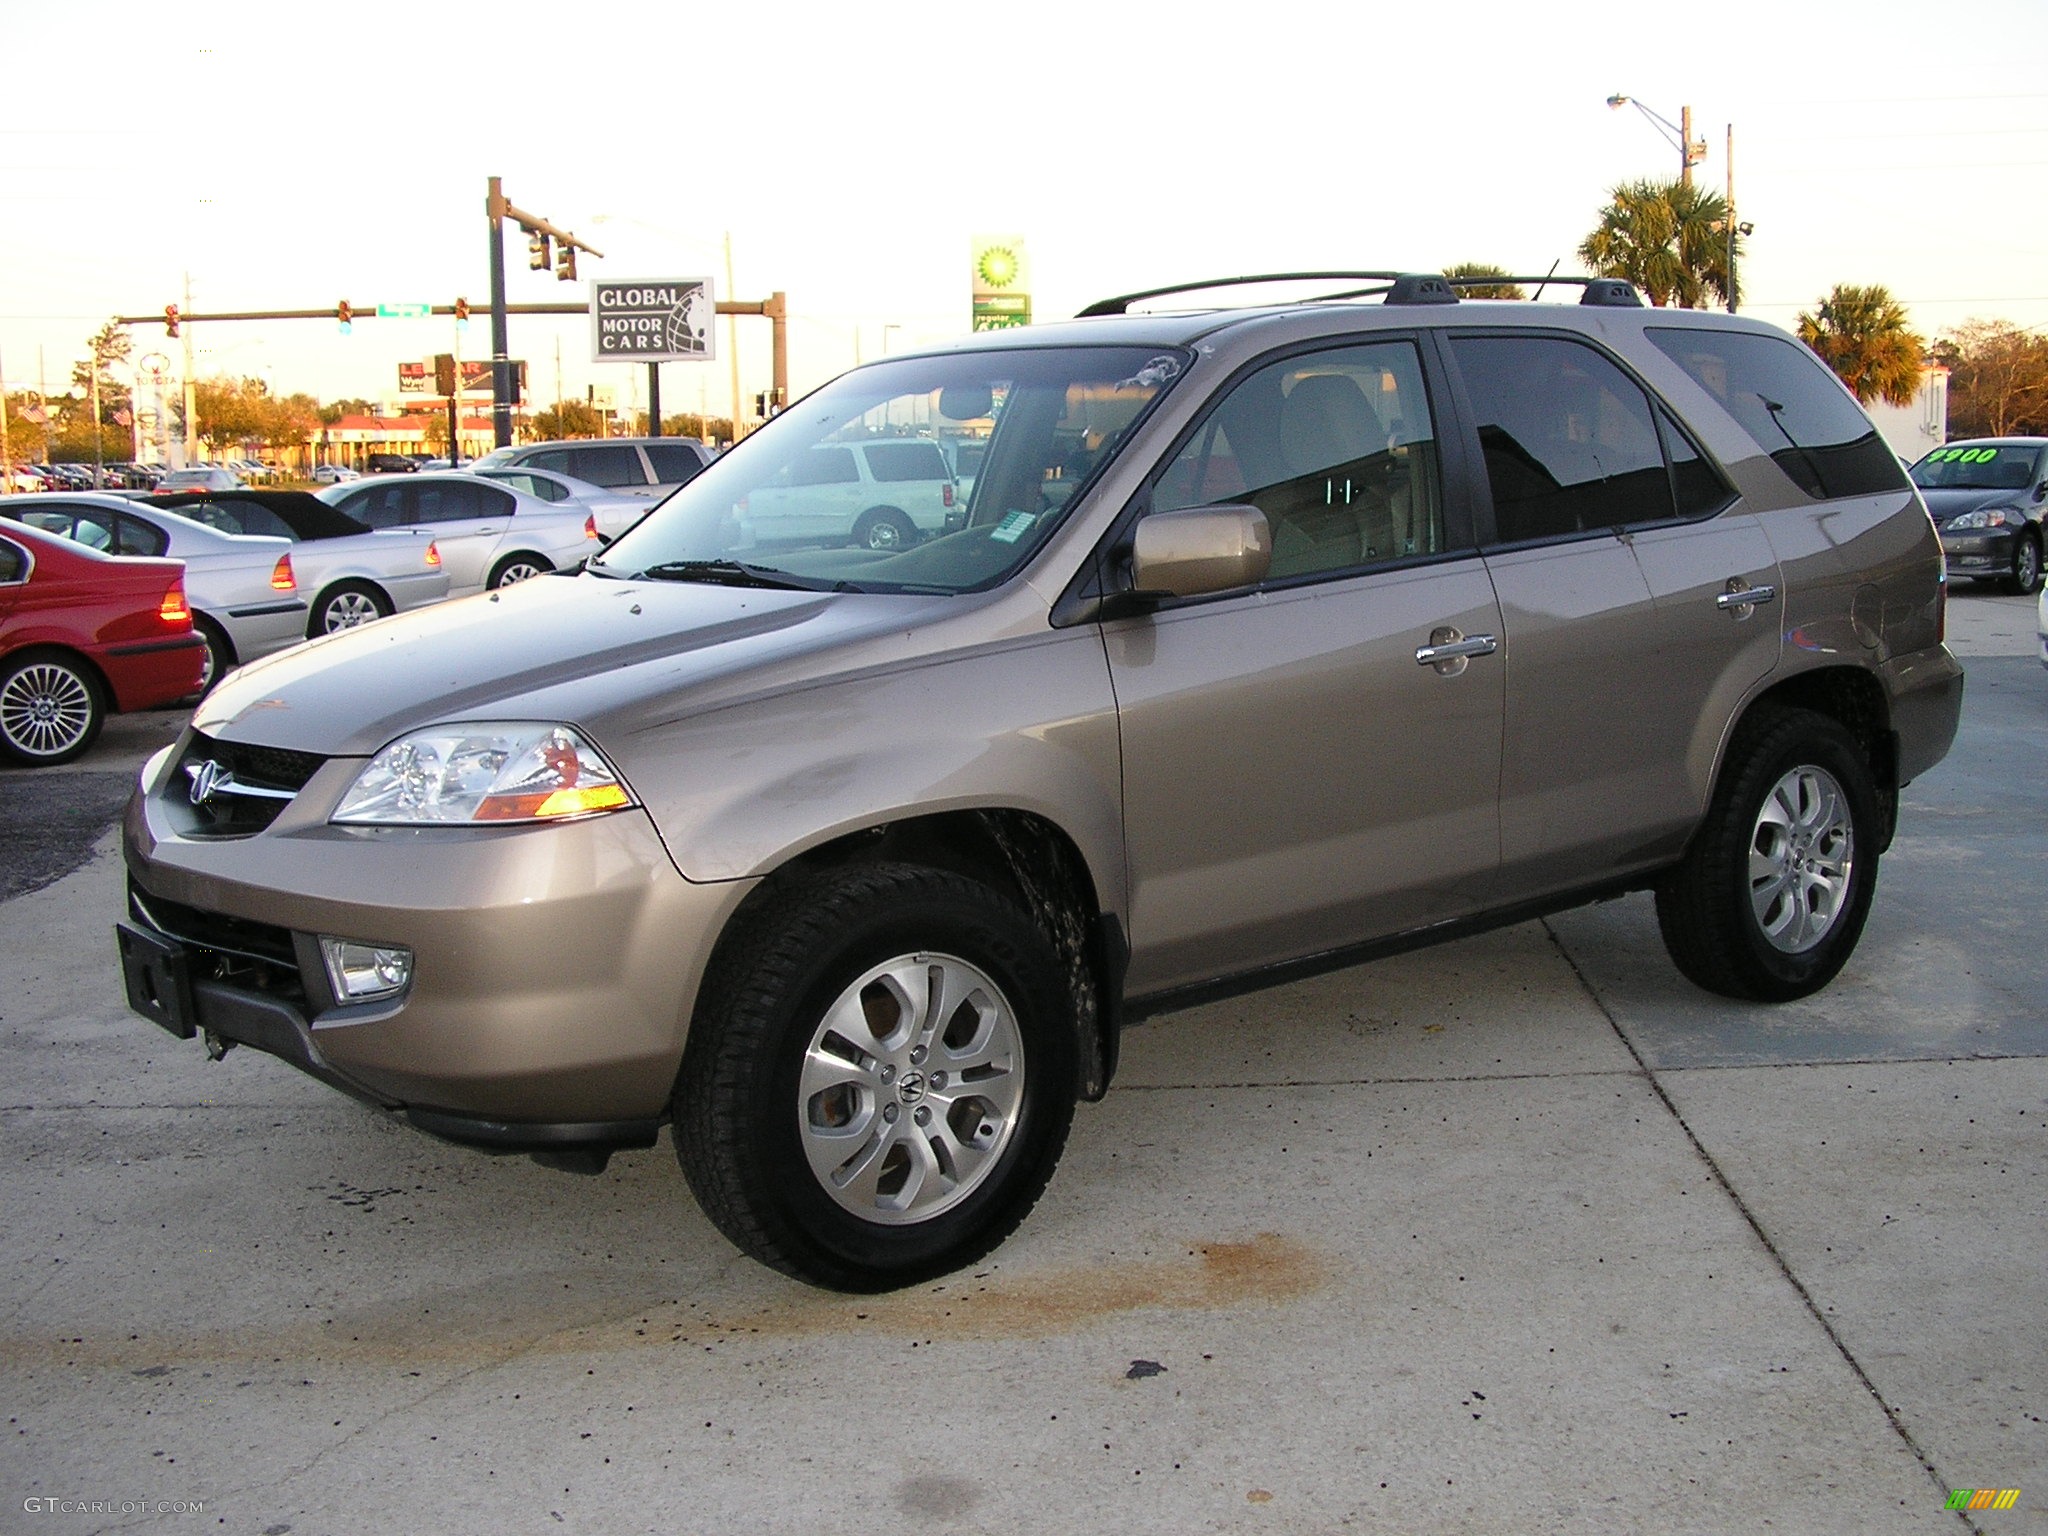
(1520, 1234)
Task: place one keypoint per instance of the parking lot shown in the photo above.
(1518, 1234)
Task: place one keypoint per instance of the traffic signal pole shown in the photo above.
(501, 356)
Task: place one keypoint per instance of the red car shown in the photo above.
(82, 633)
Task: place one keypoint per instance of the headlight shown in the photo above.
(486, 772)
(1987, 517)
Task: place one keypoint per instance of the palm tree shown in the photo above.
(1470, 269)
(1669, 239)
(1862, 334)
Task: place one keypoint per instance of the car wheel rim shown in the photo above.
(1801, 858)
(348, 610)
(519, 572)
(45, 710)
(885, 536)
(2028, 564)
(911, 1088)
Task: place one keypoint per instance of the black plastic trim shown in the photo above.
(538, 1137)
(144, 648)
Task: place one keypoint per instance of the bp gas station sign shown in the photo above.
(1002, 282)
(652, 320)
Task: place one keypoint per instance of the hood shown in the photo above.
(1943, 505)
(611, 657)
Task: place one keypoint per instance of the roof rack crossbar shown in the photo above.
(1398, 287)
(1608, 292)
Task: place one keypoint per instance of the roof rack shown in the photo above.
(1398, 288)
(1600, 292)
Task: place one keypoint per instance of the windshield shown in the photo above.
(1977, 467)
(927, 474)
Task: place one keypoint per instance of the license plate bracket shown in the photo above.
(158, 979)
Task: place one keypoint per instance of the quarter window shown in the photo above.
(1795, 410)
(906, 461)
(1336, 448)
(1570, 441)
(610, 467)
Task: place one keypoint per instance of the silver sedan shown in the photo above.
(490, 535)
(615, 510)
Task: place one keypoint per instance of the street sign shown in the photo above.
(404, 311)
(652, 320)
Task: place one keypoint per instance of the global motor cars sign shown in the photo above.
(652, 320)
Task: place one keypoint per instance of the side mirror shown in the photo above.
(1199, 550)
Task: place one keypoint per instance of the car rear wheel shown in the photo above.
(2026, 566)
(220, 652)
(880, 1078)
(518, 568)
(884, 528)
(50, 709)
(1771, 897)
(345, 605)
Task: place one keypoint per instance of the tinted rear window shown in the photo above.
(1795, 409)
(907, 461)
(673, 463)
(607, 466)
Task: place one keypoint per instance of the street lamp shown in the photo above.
(1691, 151)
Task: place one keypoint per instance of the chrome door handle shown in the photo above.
(1455, 650)
(1745, 597)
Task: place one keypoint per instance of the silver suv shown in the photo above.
(650, 466)
(1270, 639)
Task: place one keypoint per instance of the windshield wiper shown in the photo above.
(726, 573)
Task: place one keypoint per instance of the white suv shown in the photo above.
(884, 494)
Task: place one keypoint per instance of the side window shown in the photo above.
(455, 501)
(610, 467)
(1570, 442)
(1791, 406)
(823, 466)
(215, 515)
(262, 520)
(556, 459)
(135, 537)
(1696, 485)
(906, 461)
(13, 563)
(673, 463)
(381, 506)
(1337, 448)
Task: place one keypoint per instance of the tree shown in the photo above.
(1484, 290)
(1669, 239)
(571, 418)
(1998, 379)
(1862, 334)
(230, 411)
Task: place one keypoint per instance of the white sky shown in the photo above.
(289, 157)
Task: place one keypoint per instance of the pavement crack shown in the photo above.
(1377, 1082)
(1806, 1297)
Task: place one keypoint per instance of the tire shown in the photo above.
(518, 568)
(1771, 897)
(51, 708)
(884, 528)
(826, 1128)
(220, 653)
(345, 605)
(2026, 566)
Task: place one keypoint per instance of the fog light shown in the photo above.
(361, 973)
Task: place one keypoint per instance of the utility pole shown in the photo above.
(1685, 145)
(1731, 218)
(498, 209)
(191, 386)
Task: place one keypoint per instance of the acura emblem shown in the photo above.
(205, 779)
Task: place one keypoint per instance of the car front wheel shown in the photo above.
(1771, 897)
(50, 709)
(2026, 566)
(880, 1078)
(884, 528)
(518, 568)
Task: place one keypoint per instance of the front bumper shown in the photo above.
(1980, 552)
(555, 967)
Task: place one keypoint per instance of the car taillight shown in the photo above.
(590, 526)
(433, 553)
(174, 609)
(949, 493)
(281, 575)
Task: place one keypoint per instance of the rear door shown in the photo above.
(1607, 546)
(467, 518)
(1299, 773)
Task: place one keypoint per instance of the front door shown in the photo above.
(1296, 777)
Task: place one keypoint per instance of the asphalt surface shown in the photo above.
(1520, 1234)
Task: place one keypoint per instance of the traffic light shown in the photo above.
(346, 317)
(462, 312)
(761, 404)
(537, 251)
(565, 263)
(171, 320)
